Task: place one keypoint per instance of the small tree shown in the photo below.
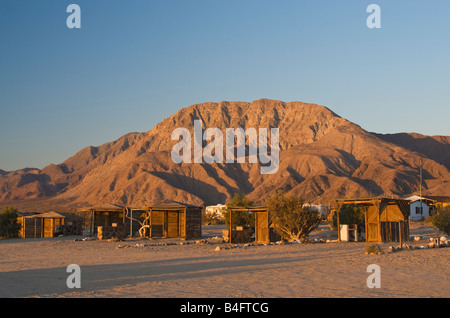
(8, 222)
(441, 219)
(291, 220)
(242, 218)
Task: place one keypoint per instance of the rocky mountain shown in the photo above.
(322, 157)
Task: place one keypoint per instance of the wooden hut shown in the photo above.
(48, 224)
(102, 215)
(264, 232)
(174, 219)
(386, 220)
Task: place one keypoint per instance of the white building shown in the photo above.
(215, 211)
(419, 210)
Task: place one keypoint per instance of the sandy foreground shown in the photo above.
(140, 268)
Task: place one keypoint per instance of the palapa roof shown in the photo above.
(107, 207)
(248, 208)
(369, 201)
(50, 215)
(169, 204)
(415, 198)
(381, 202)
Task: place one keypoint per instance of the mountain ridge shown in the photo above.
(323, 156)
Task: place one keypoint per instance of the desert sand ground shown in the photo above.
(141, 268)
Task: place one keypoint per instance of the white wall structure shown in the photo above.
(416, 212)
(215, 211)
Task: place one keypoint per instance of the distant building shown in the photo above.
(215, 211)
(439, 201)
(421, 209)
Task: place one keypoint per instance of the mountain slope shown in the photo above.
(322, 157)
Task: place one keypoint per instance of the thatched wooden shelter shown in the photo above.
(48, 224)
(101, 215)
(173, 219)
(264, 233)
(386, 219)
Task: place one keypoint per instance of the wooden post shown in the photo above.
(183, 224)
(380, 240)
(400, 238)
(365, 221)
(150, 224)
(338, 206)
(131, 222)
(387, 228)
(338, 224)
(91, 232)
(229, 238)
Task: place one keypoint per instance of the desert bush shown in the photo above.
(8, 222)
(372, 248)
(349, 214)
(290, 219)
(243, 219)
(441, 219)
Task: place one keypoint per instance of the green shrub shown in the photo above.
(372, 248)
(441, 219)
(8, 222)
(244, 219)
(349, 214)
(290, 219)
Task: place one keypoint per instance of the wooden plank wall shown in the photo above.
(193, 223)
(31, 228)
(262, 227)
(157, 223)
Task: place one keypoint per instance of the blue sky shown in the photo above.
(134, 63)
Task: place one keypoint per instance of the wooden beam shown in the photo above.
(231, 225)
(131, 223)
(338, 207)
(365, 221)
